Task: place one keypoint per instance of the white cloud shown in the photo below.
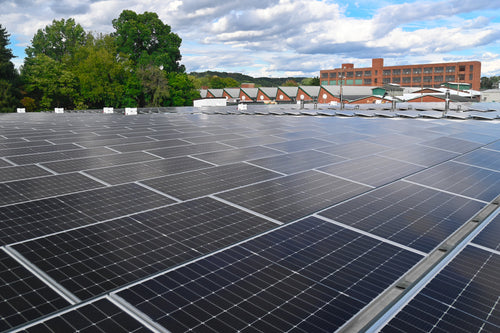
(290, 36)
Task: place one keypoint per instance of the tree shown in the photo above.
(57, 40)
(182, 90)
(155, 85)
(148, 41)
(310, 81)
(291, 83)
(102, 76)
(490, 82)
(50, 82)
(8, 75)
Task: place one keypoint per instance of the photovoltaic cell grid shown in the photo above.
(408, 214)
(311, 276)
(111, 214)
(292, 197)
(463, 297)
(24, 296)
(96, 259)
(99, 316)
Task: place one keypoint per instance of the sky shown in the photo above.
(281, 38)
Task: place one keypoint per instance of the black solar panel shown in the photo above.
(372, 170)
(129, 173)
(411, 215)
(22, 172)
(298, 161)
(463, 297)
(287, 280)
(453, 144)
(23, 297)
(354, 149)
(488, 237)
(99, 316)
(221, 222)
(461, 179)
(289, 198)
(421, 155)
(484, 158)
(193, 184)
(95, 259)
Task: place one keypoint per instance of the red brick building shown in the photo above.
(426, 75)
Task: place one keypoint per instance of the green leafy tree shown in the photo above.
(182, 90)
(50, 82)
(8, 75)
(148, 41)
(102, 76)
(155, 85)
(57, 40)
(310, 81)
(290, 83)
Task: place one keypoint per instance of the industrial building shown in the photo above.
(467, 73)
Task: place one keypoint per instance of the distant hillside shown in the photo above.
(242, 78)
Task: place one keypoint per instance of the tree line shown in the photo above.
(137, 65)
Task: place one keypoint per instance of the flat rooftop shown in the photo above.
(274, 218)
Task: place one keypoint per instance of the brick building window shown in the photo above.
(333, 75)
(406, 80)
(417, 79)
(461, 77)
(368, 73)
(427, 79)
(324, 75)
(461, 68)
(471, 68)
(470, 77)
(438, 78)
(386, 72)
(396, 72)
(359, 73)
(450, 69)
(406, 71)
(450, 78)
(417, 70)
(438, 70)
(386, 80)
(396, 80)
(349, 74)
(427, 70)
(367, 81)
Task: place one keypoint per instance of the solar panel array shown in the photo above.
(247, 223)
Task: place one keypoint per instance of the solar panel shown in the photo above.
(193, 184)
(298, 161)
(488, 237)
(98, 258)
(272, 284)
(461, 179)
(421, 155)
(36, 188)
(452, 144)
(463, 297)
(354, 149)
(372, 170)
(484, 158)
(299, 144)
(98, 316)
(237, 155)
(23, 296)
(139, 171)
(55, 156)
(22, 172)
(235, 221)
(411, 215)
(289, 198)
